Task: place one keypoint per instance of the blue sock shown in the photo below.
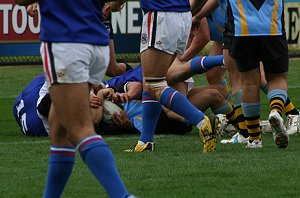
(251, 109)
(61, 161)
(178, 103)
(277, 93)
(150, 115)
(98, 157)
(237, 98)
(201, 64)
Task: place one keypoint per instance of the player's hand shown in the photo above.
(121, 97)
(32, 9)
(95, 101)
(107, 93)
(121, 120)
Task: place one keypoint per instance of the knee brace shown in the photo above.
(155, 82)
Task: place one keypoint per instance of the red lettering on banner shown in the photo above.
(16, 25)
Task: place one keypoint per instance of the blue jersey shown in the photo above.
(216, 24)
(257, 18)
(133, 75)
(74, 21)
(25, 109)
(165, 5)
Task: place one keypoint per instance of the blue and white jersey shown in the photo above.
(133, 75)
(165, 5)
(74, 21)
(25, 109)
(257, 17)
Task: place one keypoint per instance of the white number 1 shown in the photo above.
(23, 116)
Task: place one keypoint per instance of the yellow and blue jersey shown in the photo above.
(257, 17)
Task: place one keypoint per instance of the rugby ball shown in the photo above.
(109, 108)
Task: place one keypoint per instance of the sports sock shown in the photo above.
(228, 111)
(241, 121)
(289, 108)
(201, 64)
(277, 98)
(97, 156)
(252, 117)
(178, 103)
(60, 165)
(150, 114)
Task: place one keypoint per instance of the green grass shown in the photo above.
(177, 168)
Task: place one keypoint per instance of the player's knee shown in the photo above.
(155, 85)
(215, 95)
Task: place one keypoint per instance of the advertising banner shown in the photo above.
(17, 29)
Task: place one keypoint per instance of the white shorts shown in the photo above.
(74, 62)
(166, 31)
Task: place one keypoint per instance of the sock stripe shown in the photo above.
(170, 93)
(201, 62)
(88, 140)
(66, 151)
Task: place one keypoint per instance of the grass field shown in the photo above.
(177, 168)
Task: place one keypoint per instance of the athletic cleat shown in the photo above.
(266, 126)
(292, 124)
(223, 122)
(236, 139)
(255, 144)
(281, 138)
(230, 129)
(208, 130)
(141, 147)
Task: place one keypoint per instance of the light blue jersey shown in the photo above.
(216, 23)
(133, 109)
(257, 18)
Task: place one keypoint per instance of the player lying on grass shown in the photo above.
(35, 95)
(32, 106)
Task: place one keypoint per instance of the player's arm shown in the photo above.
(200, 39)
(96, 103)
(208, 8)
(25, 2)
(134, 90)
(116, 6)
(196, 5)
(127, 91)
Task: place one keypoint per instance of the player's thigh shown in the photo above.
(155, 63)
